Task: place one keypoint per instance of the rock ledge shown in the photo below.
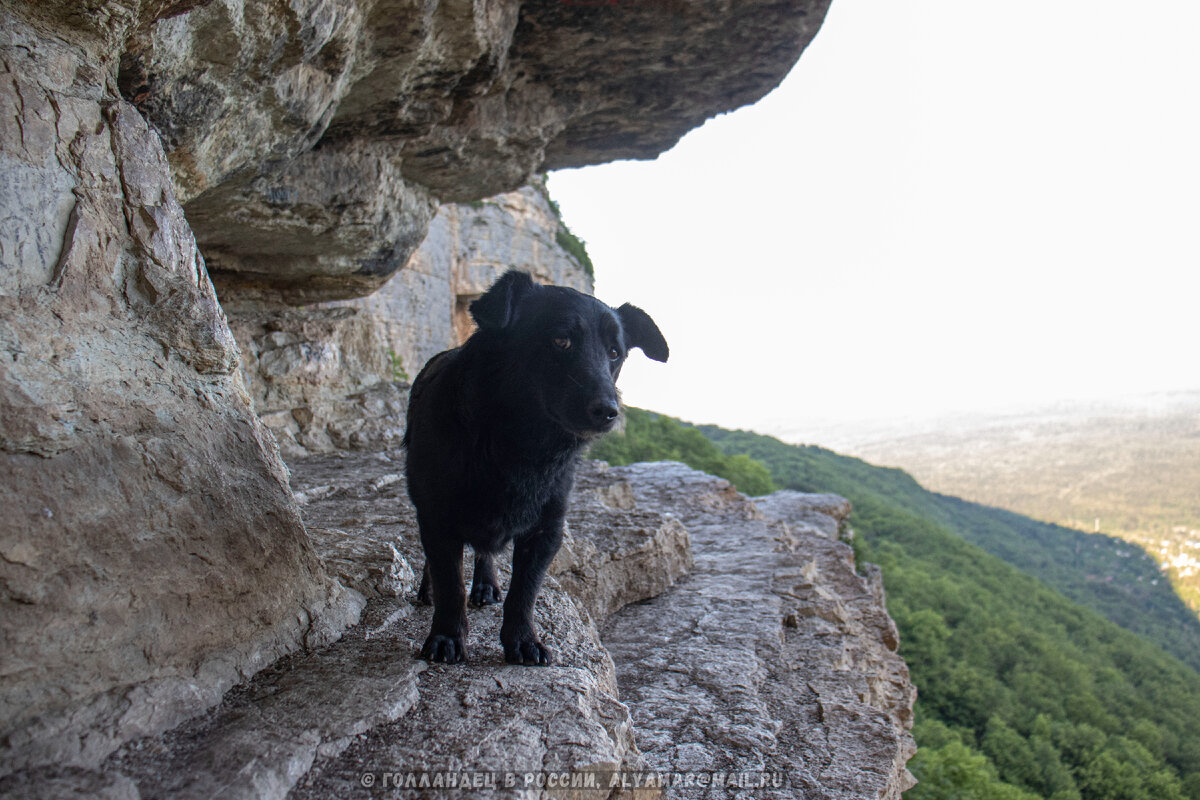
(742, 641)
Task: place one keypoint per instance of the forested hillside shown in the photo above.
(1023, 692)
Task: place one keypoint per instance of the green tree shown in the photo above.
(1012, 755)
(954, 772)
(651, 437)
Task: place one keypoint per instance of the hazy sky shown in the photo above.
(946, 206)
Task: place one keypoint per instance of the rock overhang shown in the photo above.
(280, 120)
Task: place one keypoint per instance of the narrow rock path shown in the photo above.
(358, 717)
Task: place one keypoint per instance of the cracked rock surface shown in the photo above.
(312, 725)
(771, 655)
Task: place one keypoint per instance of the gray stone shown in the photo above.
(36, 204)
(614, 553)
(69, 783)
(823, 513)
(321, 378)
(423, 310)
(265, 735)
(314, 723)
(359, 518)
(234, 84)
(331, 223)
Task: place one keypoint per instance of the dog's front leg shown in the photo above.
(532, 555)
(424, 593)
(485, 586)
(443, 562)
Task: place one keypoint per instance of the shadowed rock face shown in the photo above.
(308, 140)
(639, 75)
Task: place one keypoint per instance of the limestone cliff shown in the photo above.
(290, 159)
(322, 376)
(308, 140)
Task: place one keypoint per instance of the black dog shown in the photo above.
(494, 430)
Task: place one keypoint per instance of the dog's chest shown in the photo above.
(513, 499)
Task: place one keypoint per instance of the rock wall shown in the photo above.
(423, 310)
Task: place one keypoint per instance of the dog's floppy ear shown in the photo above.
(497, 308)
(640, 331)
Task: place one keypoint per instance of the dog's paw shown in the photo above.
(485, 594)
(527, 650)
(446, 649)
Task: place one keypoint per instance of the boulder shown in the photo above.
(152, 554)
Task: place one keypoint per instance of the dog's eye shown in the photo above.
(613, 354)
(562, 343)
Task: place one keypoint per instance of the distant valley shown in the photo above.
(1129, 469)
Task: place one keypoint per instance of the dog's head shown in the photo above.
(564, 349)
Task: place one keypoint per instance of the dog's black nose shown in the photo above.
(602, 412)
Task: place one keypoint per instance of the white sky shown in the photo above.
(947, 206)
